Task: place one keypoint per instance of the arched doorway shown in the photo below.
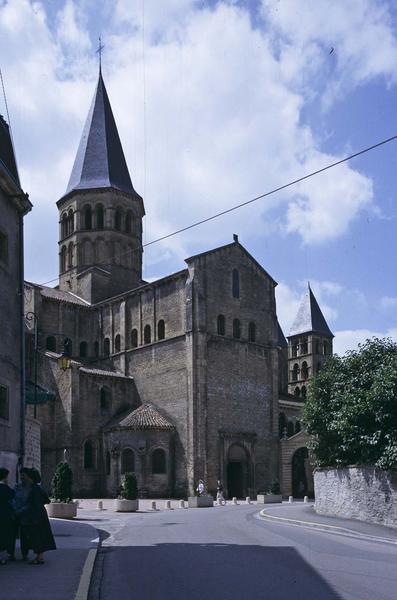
(300, 483)
(237, 472)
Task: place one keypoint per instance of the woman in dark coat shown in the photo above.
(35, 526)
(6, 516)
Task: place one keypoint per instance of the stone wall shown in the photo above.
(363, 493)
(32, 443)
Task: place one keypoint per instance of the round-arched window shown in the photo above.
(127, 461)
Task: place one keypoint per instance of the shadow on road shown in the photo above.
(196, 571)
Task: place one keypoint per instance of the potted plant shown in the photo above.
(273, 494)
(128, 498)
(62, 505)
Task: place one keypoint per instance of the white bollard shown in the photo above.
(168, 505)
(306, 499)
(290, 498)
(182, 504)
(154, 507)
(248, 500)
(234, 500)
(99, 505)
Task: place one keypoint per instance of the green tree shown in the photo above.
(130, 487)
(62, 483)
(351, 408)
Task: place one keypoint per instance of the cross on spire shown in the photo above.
(99, 51)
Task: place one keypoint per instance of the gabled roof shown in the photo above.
(144, 417)
(309, 317)
(100, 161)
(235, 244)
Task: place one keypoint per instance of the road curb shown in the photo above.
(86, 574)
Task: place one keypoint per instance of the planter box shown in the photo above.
(200, 501)
(62, 510)
(269, 498)
(121, 505)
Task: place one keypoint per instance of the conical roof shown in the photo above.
(309, 317)
(100, 161)
(144, 417)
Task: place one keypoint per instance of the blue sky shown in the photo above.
(217, 102)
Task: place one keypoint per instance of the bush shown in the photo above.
(62, 483)
(274, 488)
(130, 487)
(351, 408)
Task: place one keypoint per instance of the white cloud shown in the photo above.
(349, 339)
(388, 303)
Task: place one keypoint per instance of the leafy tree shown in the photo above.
(351, 409)
(130, 487)
(62, 483)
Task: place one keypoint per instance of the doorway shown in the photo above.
(237, 472)
(300, 484)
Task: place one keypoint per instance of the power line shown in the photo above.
(273, 191)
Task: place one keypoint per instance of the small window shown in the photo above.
(159, 465)
(127, 461)
(117, 343)
(221, 325)
(117, 220)
(134, 338)
(83, 349)
(236, 329)
(108, 463)
(88, 455)
(104, 401)
(317, 347)
(64, 225)
(303, 391)
(325, 347)
(63, 259)
(70, 255)
(304, 346)
(290, 429)
(99, 216)
(106, 347)
(96, 349)
(87, 217)
(4, 403)
(294, 349)
(147, 334)
(70, 225)
(305, 370)
(128, 223)
(161, 330)
(236, 284)
(51, 343)
(251, 332)
(297, 392)
(295, 372)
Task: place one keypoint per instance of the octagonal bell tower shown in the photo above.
(100, 215)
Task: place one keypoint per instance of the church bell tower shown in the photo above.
(100, 215)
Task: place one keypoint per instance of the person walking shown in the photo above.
(6, 516)
(200, 487)
(35, 526)
(219, 494)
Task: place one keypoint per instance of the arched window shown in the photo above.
(88, 455)
(303, 391)
(297, 392)
(294, 349)
(127, 461)
(236, 328)
(134, 338)
(63, 259)
(305, 370)
(70, 255)
(117, 343)
(236, 284)
(290, 428)
(104, 401)
(83, 349)
(304, 346)
(128, 222)
(147, 334)
(325, 347)
(317, 346)
(108, 463)
(220, 325)
(117, 219)
(99, 216)
(51, 343)
(295, 372)
(64, 225)
(297, 426)
(106, 347)
(160, 330)
(282, 424)
(70, 225)
(159, 464)
(96, 349)
(251, 332)
(87, 217)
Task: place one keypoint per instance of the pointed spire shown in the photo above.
(100, 161)
(309, 317)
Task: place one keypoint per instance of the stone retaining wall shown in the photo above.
(363, 493)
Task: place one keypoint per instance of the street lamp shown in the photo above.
(64, 361)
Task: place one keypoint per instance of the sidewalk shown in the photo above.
(59, 577)
(299, 513)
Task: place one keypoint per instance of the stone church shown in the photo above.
(184, 378)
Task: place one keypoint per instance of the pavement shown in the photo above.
(67, 573)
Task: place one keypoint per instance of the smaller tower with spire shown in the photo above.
(309, 344)
(100, 241)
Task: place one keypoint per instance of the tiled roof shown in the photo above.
(309, 317)
(144, 417)
(55, 294)
(100, 161)
(104, 373)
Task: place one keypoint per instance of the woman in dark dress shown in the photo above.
(35, 526)
(6, 516)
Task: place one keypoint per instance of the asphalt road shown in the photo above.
(228, 553)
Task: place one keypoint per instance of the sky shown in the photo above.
(217, 102)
